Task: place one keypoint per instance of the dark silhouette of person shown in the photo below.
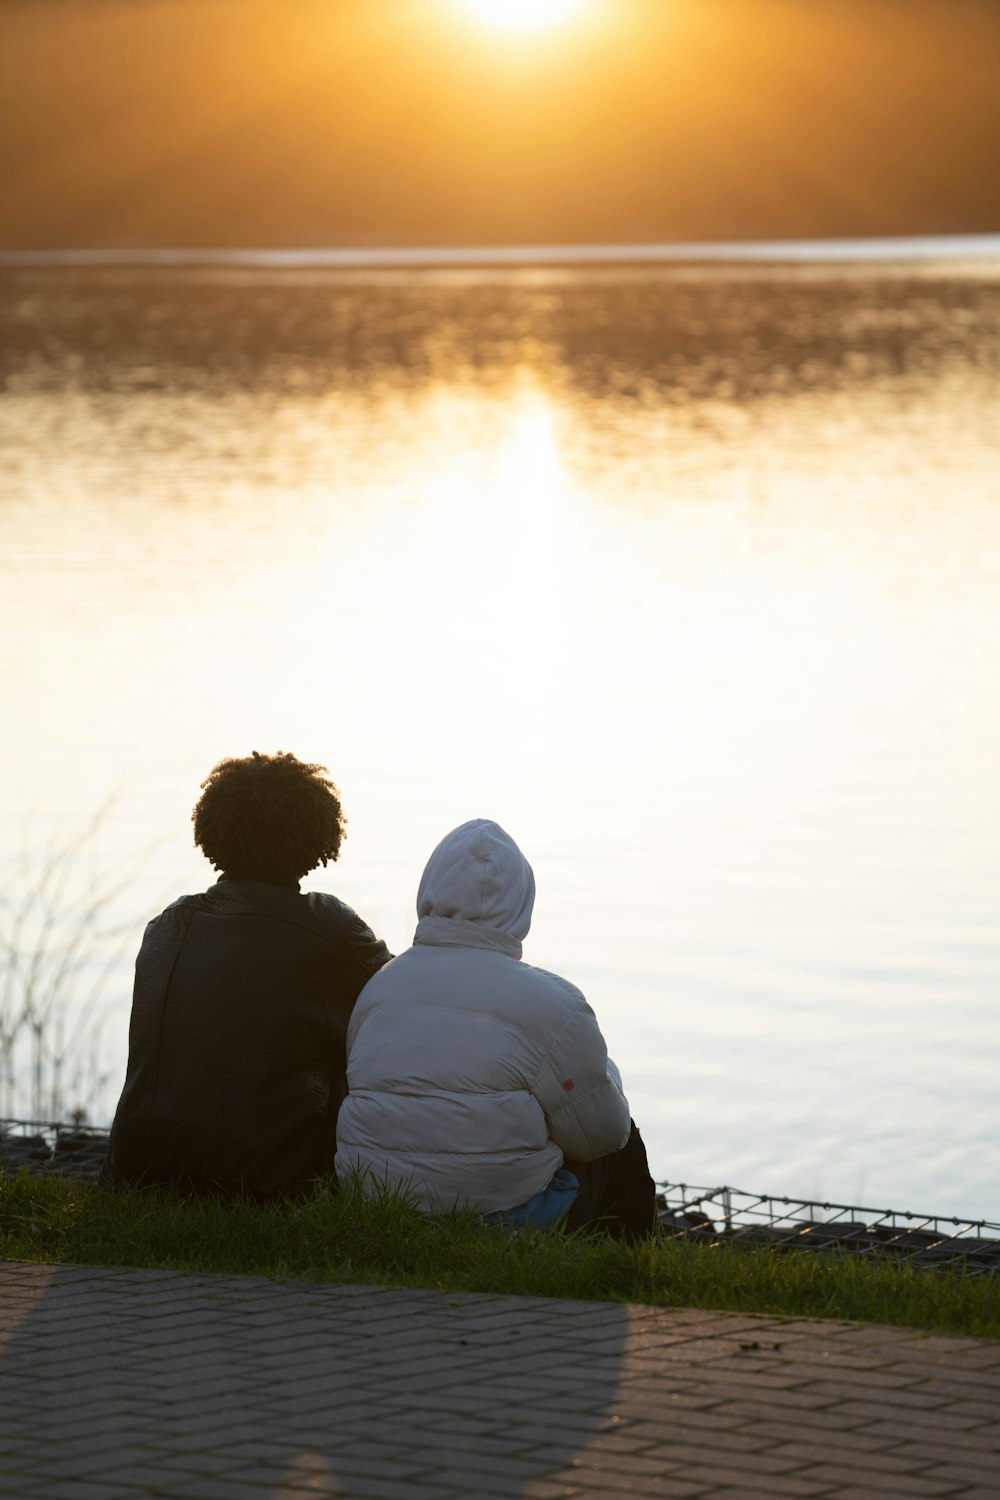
(237, 1051)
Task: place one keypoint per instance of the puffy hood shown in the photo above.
(476, 891)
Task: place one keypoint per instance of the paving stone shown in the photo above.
(754, 1492)
(875, 1488)
(746, 1442)
(850, 1477)
(181, 1465)
(209, 1487)
(759, 1490)
(967, 1394)
(776, 1409)
(546, 1489)
(716, 1476)
(872, 1462)
(620, 1441)
(601, 1483)
(965, 1474)
(905, 1427)
(725, 1388)
(72, 1489)
(889, 1395)
(695, 1447)
(958, 1448)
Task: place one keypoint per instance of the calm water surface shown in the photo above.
(691, 578)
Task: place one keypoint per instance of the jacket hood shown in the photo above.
(477, 890)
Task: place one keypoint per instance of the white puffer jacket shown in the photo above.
(472, 1075)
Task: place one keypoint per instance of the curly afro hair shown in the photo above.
(268, 817)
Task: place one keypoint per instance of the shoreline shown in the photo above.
(882, 251)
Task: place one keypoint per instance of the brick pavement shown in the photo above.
(138, 1383)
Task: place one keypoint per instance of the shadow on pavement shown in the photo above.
(153, 1383)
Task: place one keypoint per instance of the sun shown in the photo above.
(522, 15)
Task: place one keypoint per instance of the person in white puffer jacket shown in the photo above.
(476, 1080)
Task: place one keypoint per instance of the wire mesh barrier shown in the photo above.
(73, 1150)
(707, 1216)
(729, 1216)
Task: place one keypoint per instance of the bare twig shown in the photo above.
(53, 932)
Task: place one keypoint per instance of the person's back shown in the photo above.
(452, 1053)
(473, 1076)
(243, 996)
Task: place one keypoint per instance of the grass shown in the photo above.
(341, 1237)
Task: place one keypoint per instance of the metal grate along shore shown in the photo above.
(730, 1216)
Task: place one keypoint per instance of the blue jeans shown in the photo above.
(547, 1207)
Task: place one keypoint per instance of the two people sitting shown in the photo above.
(273, 1036)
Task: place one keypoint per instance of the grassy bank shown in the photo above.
(340, 1237)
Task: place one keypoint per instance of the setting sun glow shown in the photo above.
(521, 15)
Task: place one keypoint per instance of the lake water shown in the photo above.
(688, 576)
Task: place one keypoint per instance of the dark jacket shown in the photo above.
(237, 1063)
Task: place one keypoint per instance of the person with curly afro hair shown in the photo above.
(268, 817)
(243, 994)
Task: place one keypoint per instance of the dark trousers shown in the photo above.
(617, 1194)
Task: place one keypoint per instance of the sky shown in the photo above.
(424, 122)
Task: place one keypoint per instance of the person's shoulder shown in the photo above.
(342, 924)
(557, 988)
(328, 908)
(330, 912)
(176, 908)
(169, 925)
